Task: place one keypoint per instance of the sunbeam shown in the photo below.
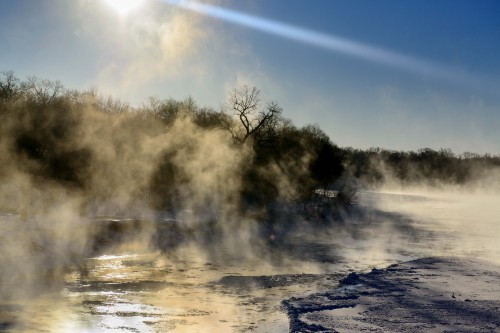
(337, 44)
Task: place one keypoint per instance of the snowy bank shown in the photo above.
(425, 295)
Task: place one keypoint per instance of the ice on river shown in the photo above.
(434, 294)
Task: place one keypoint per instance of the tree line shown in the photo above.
(41, 122)
(377, 166)
(41, 130)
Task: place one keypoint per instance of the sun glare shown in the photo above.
(123, 7)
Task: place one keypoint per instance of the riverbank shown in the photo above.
(436, 294)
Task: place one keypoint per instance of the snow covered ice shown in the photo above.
(434, 294)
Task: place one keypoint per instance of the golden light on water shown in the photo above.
(123, 7)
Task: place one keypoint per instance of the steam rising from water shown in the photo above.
(52, 213)
(47, 218)
(68, 170)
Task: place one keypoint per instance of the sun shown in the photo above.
(123, 7)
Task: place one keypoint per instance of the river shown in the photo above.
(234, 287)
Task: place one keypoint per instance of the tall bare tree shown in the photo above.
(243, 105)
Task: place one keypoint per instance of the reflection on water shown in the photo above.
(149, 293)
(191, 291)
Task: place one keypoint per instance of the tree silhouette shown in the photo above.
(243, 104)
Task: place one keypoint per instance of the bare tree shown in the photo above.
(10, 86)
(243, 104)
(43, 91)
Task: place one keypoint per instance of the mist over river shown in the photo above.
(224, 286)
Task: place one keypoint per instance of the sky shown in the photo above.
(400, 75)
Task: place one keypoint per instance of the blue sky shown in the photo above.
(169, 51)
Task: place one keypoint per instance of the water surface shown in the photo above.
(223, 287)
